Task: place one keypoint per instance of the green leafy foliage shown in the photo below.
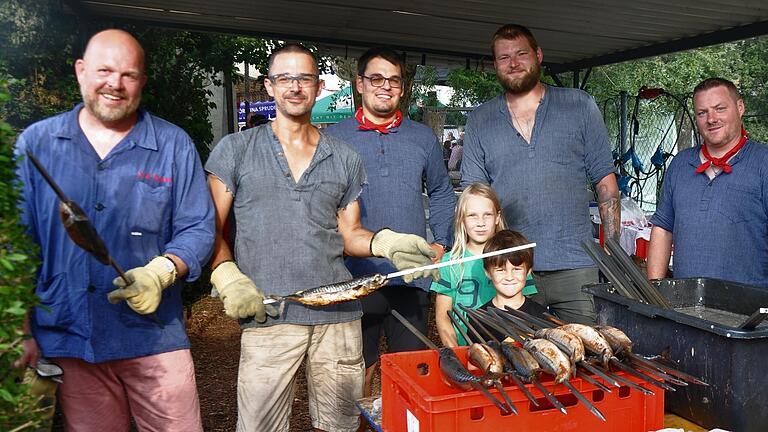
(472, 87)
(744, 62)
(18, 265)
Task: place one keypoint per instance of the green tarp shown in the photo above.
(334, 107)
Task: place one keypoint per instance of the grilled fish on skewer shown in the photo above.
(82, 232)
(487, 357)
(570, 344)
(359, 287)
(336, 292)
(495, 345)
(523, 362)
(555, 362)
(620, 343)
(593, 341)
(453, 370)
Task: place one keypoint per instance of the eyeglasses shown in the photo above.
(378, 81)
(286, 80)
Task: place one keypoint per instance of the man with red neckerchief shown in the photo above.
(397, 154)
(714, 200)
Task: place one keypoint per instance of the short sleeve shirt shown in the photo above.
(287, 234)
(474, 290)
(719, 226)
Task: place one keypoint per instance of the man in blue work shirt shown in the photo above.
(141, 183)
(397, 154)
(538, 146)
(714, 200)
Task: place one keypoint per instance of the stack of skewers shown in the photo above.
(628, 280)
(531, 347)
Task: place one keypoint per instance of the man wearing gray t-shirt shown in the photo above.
(537, 146)
(294, 194)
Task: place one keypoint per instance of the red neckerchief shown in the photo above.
(721, 162)
(366, 124)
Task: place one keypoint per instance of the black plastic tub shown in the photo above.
(710, 346)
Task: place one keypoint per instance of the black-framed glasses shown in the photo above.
(378, 80)
(286, 80)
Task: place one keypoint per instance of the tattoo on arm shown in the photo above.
(610, 211)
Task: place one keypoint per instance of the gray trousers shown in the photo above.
(560, 290)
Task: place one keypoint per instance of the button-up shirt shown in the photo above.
(287, 238)
(397, 164)
(719, 226)
(147, 197)
(542, 185)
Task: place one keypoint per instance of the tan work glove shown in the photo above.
(406, 251)
(147, 285)
(241, 297)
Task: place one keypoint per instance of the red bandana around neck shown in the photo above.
(721, 162)
(366, 124)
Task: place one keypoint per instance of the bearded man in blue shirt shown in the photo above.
(140, 182)
(538, 146)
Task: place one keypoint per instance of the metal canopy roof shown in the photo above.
(573, 35)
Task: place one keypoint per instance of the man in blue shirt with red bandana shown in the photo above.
(140, 182)
(397, 154)
(714, 200)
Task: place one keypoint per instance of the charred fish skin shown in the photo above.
(454, 371)
(337, 292)
(569, 341)
(593, 341)
(487, 360)
(550, 358)
(523, 362)
(620, 343)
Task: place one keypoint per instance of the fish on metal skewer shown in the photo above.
(452, 368)
(359, 287)
(522, 361)
(620, 340)
(498, 346)
(487, 359)
(82, 232)
(553, 361)
(336, 292)
(593, 341)
(571, 345)
(620, 343)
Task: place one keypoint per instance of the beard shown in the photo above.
(523, 84)
(105, 114)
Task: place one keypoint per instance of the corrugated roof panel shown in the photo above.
(569, 32)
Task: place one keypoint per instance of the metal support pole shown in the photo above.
(576, 73)
(585, 79)
(229, 104)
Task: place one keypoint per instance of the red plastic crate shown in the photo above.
(415, 399)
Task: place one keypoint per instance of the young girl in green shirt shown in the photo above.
(478, 217)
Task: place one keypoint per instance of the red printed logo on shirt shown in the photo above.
(142, 175)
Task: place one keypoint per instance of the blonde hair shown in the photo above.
(481, 190)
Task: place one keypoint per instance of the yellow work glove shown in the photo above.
(406, 251)
(146, 285)
(241, 297)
